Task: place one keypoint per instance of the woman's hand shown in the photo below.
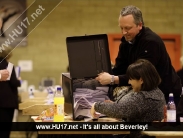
(108, 101)
(94, 114)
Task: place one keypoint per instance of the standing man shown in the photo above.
(138, 42)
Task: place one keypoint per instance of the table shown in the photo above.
(33, 106)
(30, 102)
(24, 96)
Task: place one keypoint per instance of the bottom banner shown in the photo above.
(90, 126)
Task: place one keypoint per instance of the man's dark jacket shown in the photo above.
(8, 89)
(148, 45)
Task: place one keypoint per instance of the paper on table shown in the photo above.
(84, 99)
(83, 102)
(83, 112)
(106, 89)
(9, 68)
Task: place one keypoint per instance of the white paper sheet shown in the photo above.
(17, 71)
(9, 68)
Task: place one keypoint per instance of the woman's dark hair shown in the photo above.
(144, 69)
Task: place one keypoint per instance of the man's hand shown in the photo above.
(104, 78)
(4, 75)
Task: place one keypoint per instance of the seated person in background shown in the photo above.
(142, 102)
(180, 105)
(180, 108)
(180, 72)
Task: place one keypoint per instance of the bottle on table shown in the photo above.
(58, 105)
(171, 109)
(31, 92)
(50, 96)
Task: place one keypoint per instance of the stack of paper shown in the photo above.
(84, 99)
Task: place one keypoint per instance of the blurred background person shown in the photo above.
(9, 13)
(180, 72)
(180, 105)
(9, 92)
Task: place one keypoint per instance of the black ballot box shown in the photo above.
(88, 56)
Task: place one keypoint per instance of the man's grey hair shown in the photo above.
(135, 12)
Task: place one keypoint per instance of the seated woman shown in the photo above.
(142, 102)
